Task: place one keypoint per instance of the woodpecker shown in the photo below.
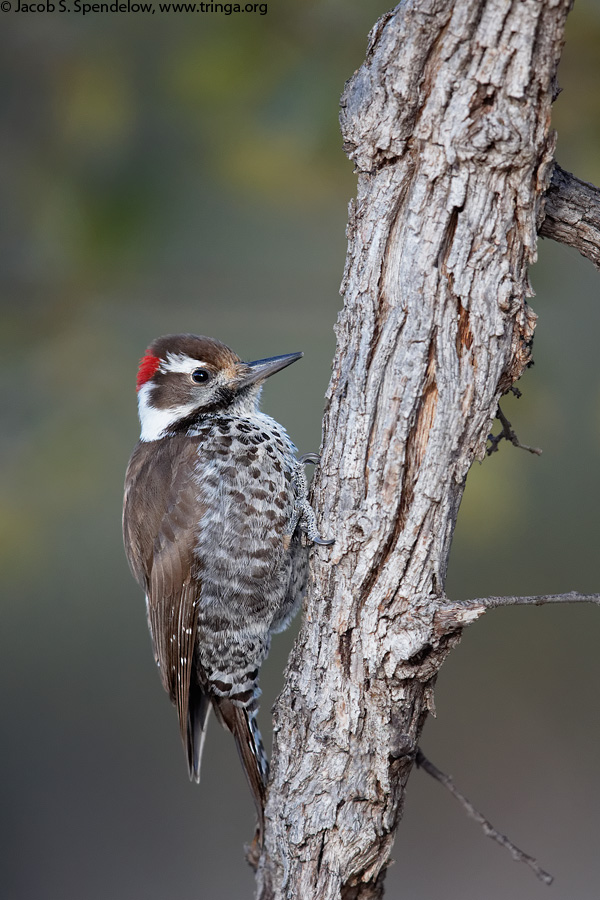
(214, 510)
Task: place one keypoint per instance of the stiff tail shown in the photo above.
(197, 718)
(242, 724)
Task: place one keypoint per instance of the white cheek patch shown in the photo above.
(181, 363)
(154, 421)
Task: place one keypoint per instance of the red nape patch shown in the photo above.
(148, 366)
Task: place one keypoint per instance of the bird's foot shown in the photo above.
(254, 850)
(304, 514)
(308, 524)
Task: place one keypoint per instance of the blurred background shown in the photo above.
(185, 173)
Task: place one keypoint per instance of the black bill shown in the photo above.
(263, 368)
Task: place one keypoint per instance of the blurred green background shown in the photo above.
(185, 173)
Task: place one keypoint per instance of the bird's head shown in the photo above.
(183, 376)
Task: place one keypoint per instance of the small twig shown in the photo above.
(508, 434)
(539, 600)
(488, 829)
(452, 616)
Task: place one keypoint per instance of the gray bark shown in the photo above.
(447, 122)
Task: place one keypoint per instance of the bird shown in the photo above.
(216, 526)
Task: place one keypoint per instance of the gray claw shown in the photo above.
(309, 458)
(323, 542)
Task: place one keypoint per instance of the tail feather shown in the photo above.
(243, 726)
(197, 718)
(241, 722)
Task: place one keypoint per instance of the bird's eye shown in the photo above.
(200, 376)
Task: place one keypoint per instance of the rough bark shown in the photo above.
(448, 124)
(573, 214)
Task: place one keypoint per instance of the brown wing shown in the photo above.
(161, 516)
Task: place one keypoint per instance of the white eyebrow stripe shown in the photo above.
(180, 362)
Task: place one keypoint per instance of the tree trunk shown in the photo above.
(448, 124)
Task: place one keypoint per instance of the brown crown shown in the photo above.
(204, 349)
